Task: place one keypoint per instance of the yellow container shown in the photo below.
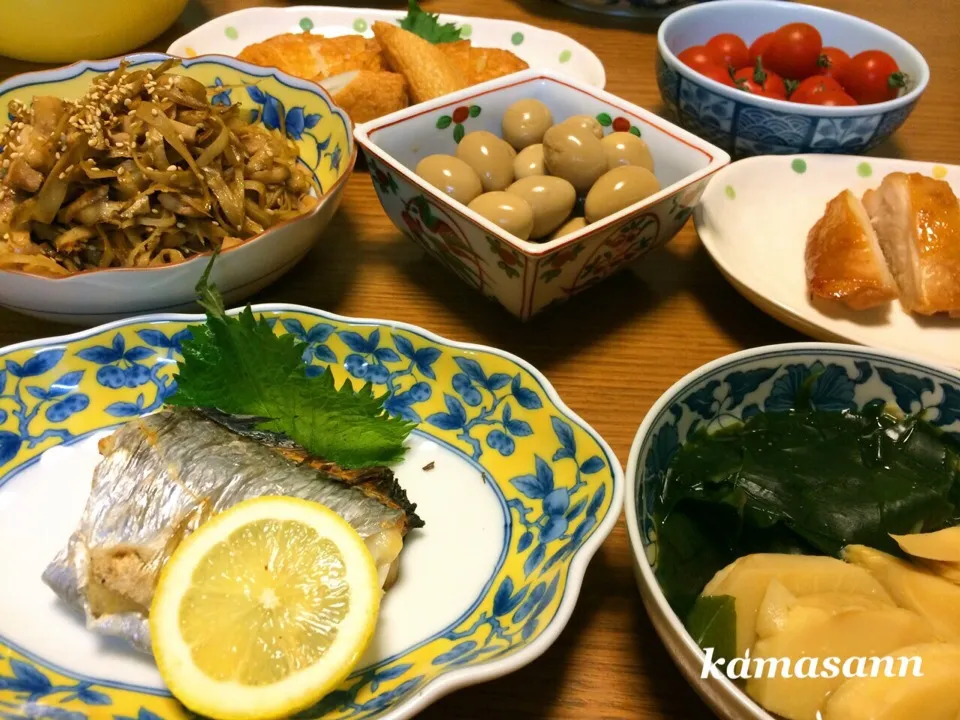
(62, 31)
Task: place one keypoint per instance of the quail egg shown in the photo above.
(550, 198)
(452, 175)
(617, 189)
(507, 210)
(490, 157)
(525, 122)
(574, 154)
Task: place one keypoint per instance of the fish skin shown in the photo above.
(376, 482)
(161, 476)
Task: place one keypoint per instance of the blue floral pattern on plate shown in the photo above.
(295, 122)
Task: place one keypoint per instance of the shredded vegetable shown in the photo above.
(141, 171)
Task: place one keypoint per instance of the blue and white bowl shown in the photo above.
(745, 124)
(728, 390)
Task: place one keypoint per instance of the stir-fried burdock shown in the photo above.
(141, 171)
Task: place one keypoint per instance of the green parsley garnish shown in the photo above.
(236, 364)
(428, 26)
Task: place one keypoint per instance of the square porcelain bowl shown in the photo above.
(526, 276)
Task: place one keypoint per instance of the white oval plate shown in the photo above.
(542, 49)
(754, 218)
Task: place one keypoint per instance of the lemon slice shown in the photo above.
(264, 609)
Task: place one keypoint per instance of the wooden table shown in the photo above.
(610, 352)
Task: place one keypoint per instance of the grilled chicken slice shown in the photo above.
(844, 261)
(917, 220)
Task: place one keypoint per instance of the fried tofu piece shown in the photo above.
(365, 94)
(428, 71)
(478, 64)
(309, 56)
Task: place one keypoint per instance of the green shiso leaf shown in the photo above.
(428, 26)
(237, 365)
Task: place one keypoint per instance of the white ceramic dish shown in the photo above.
(525, 276)
(753, 220)
(542, 49)
(94, 296)
(516, 491)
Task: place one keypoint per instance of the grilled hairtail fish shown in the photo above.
(162, 475)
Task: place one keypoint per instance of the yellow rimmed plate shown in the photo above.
(517, 493)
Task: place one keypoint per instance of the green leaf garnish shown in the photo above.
(428, 26)
(239, 366)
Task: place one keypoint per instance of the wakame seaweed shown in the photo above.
(801, 481)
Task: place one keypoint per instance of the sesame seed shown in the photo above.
(6, 236)
(154, 112)
(181, 225)
(62, 176)
(172, 168)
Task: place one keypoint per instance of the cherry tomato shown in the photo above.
(699, 57)
(871, 77)
(718, 73)
(794, 51)
(808, 90)
(757, 49)
(731, 48)
(759, 81)
(831, 58)
(832, 96)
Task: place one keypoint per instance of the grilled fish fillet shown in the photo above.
(162, 475)
(843, 257)
(305, 55)
(917, 219)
